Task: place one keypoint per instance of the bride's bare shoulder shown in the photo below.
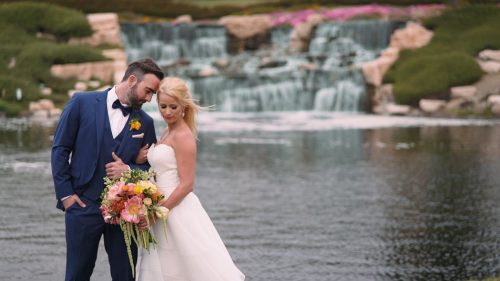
(184, 138)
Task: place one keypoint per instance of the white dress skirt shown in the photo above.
(192, 249)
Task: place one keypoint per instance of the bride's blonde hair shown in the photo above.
(177, 89)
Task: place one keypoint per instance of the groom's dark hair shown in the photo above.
(141, 67)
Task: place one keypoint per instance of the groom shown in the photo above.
(95, 138)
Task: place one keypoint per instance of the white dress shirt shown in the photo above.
(116, 119)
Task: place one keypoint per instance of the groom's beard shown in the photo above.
(132, 98)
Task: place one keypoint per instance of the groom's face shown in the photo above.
(142, 90)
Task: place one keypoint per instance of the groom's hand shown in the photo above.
(73, 199)
(142, 156)
(115, 169)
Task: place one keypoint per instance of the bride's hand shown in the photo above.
(143, 224)
(142, 156)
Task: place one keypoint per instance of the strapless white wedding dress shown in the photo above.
(192, 249)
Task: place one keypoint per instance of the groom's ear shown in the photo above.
(132, 80)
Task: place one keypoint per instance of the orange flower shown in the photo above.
(118, 206)
(135, 124)
(155, 196)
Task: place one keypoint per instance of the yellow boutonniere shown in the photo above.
(135, 124)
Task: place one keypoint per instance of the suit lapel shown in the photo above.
(126, 130)
(101, 110)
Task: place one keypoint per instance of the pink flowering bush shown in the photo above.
(350, 12)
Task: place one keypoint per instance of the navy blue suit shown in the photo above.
(82, 146)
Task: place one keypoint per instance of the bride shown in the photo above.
(192, 249)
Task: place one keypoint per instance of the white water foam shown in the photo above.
(318, 121)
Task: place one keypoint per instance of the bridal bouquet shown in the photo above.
(126, 200)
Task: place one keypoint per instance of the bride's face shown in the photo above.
(170, 109)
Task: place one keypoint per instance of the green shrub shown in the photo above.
(431, 75)
(448, 61)
(10, 34)
(8, 54)
(471, 29)
(9, 108)
(35, 59)
(25, 59)
(9, 84)
(40, 17)
(464, 18)
(480, 38)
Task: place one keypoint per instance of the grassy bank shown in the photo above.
(211, 9)
(33, 36)
(449, 59)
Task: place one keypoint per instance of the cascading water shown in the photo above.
(326, 78)
(167, 43)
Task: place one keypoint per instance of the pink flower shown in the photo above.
(133, 210)
(115, 191)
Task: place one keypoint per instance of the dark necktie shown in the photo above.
(125, 110)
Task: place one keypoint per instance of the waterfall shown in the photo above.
(326, 78)
(167, 43)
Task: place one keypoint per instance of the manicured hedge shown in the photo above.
(432, 75)
(449, 60)
(172, 9)
(25, 59)
(35, 59)
(9, 108)
(9, 84)
(40, 17)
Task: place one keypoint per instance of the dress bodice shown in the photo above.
(162, 159)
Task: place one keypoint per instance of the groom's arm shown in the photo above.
(62, 147)
(149, 138)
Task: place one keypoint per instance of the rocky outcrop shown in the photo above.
(106, 30)
(44, 108)
(300, 37)
(103, 70)
(111, 71)
(246, 32)
(489, 61)
(480, 99)
(119, 58)
(413, 36)
(183, 19)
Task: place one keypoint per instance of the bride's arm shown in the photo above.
(185, 152)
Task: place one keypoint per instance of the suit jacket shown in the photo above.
(78, 138)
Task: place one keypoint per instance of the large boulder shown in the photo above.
(103, 70)
(413, 36)
(300, 37)
(246, 32)
(106, 30)
(490, 55)
(375, 70)
(431, 106)
(183, 19)
(463, 92)
(119, 58)
(489, 66)
(245, 27)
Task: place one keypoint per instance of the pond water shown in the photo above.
(299, 196)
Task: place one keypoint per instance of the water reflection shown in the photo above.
(445, 202)
(414, 203)
(23, 134)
